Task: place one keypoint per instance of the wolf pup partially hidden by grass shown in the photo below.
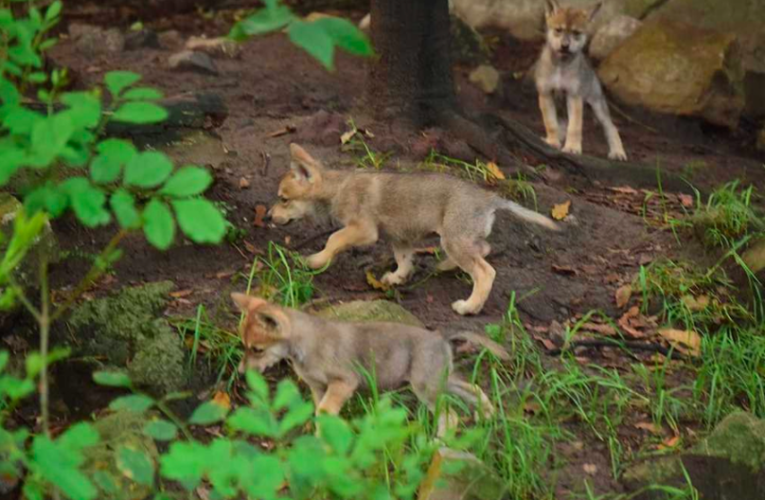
(331, 357)
(404, 207)
(564, 69)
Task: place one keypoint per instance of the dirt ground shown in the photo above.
(274, 85)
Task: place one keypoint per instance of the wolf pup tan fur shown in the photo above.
(563, 68)
(404, 207)
(327, 355)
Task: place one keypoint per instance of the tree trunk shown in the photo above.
(412, 77)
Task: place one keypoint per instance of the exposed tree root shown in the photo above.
(495, 137)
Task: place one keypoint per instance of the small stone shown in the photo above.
(170, 39)
(214, 47)
(193, 61)
(92, 41)
(141, 39)
(611, 35)
(486, 78)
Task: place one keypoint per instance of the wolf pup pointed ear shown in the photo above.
(303, 164)
(245, 303)
(551, 6)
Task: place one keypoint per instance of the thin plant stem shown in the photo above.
(44, 321)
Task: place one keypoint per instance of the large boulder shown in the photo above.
(374, 310)
(128, 330)
(679, 69)
(524, 18)
(611, 35)
(727, 465)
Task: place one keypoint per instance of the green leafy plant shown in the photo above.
(318, 38)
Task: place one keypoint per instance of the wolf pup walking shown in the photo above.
(404, 207)
(328, 355)
(563, 68)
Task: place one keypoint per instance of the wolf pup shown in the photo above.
(328, 355)
(563, 68)
(406, 208)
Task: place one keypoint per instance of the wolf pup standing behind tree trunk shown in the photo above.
(563, 69)
(405, 208)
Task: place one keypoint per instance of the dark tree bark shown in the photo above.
(412, 79)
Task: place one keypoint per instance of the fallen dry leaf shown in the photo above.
(686, 200)
(375, 283)
(244, 183)
(260, 213)
(603, 329)
(650, 427)
(495, 171)
(565, 270)
(181, 293)
(695, 303)
(623, 294)
(624, 190)
(531, 407)
(685, 341)
(560, 212)
(250, 247)
(224, 274)
(590, 469)
(347, 136)
(282, 131)
(670, 442)
(222, 399)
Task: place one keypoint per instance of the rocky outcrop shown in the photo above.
(611, 35)
(679, 69)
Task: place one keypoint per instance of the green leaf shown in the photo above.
(87, 201)
(254, 422)
(134, 402)
(287, 394)
(78, 437)
(123, 206)
(117, 81)
(200, 220)
(258, 384)
(208, 413)
(21, 121)
(140, 112)
(295, 417)
(346, 35)
(136, 465)
(184, 462)
(84, 109)
(147, 170)
(9, 94)
(38, 77)
(161, 430)
(111, 379)
(106, 482)
(48, 197)
(159, 226)
(59, 466)
(336, 433)
(4, 357)
(187, 181)
(142, 94)
(53, 11)
(314, 40)
(262, 22)
(49, 137)
(113, 155)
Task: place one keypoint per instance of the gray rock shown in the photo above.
(142, 39)
(92, 41)
(374, 310)
(679, 69)
(611, 35)
(189, 60)
(128, 330)
(486, 78)
(727, 465)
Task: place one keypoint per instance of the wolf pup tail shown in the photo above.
(529, 215)
(477, 338)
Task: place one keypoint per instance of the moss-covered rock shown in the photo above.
(129, 331)
(679, 69)
(374, 310)
(122, 429)
(729, 464)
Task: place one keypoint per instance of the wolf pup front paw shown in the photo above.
(618, 155)
(316, 261)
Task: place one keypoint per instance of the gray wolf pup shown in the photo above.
(563, 68)
(404, 207)
(328, 356)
